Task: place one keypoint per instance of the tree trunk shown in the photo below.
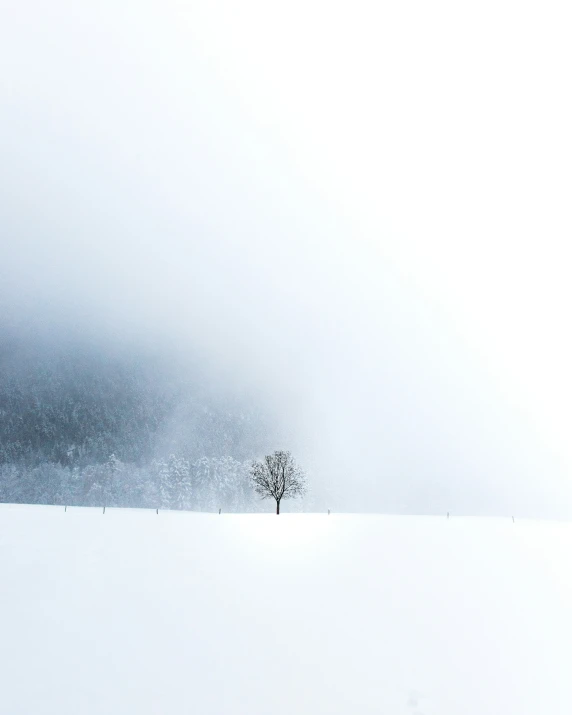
(277, 508)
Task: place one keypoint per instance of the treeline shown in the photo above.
(91, 424)
(207, 484)
(74, 404)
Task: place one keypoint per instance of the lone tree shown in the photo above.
(278, 477)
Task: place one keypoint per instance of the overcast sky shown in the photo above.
(361, 209)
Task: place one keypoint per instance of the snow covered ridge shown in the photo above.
(137, 612)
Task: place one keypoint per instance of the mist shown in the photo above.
(358, 217)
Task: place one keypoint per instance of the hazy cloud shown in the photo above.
(360, 211)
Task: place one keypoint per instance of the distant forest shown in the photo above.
(86, 424)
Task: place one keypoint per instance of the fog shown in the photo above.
(359, 213)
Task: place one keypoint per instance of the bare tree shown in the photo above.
(278, 477)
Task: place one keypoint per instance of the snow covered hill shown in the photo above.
(134, 612)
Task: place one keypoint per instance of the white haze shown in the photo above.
(360, 210)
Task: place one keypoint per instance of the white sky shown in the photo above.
(366, 203)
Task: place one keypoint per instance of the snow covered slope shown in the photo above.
(134, 612)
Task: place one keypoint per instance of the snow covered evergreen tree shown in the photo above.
(181, 482)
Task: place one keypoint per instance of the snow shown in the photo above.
(134, 612)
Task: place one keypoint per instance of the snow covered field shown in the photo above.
(134, 612)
